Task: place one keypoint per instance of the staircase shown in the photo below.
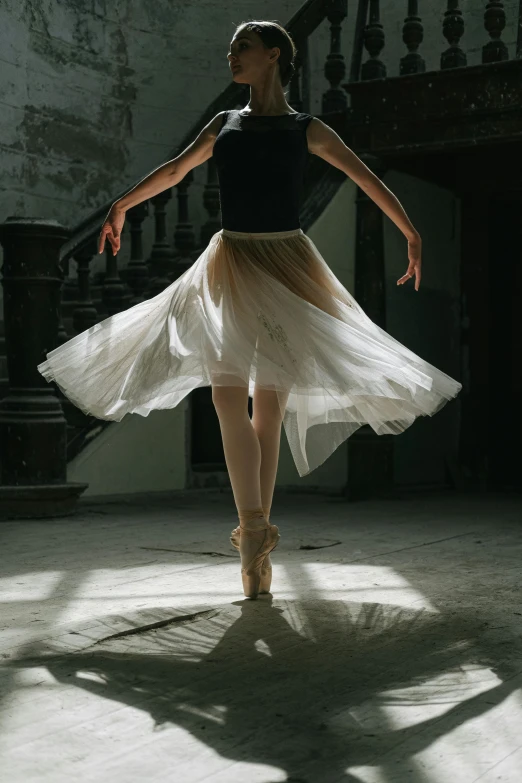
(415, 122)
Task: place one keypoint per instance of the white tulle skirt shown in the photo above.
(261, 309)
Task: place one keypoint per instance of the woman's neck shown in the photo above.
(246, 110)
(267, 108)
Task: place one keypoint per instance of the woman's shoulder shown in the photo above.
(304, 119)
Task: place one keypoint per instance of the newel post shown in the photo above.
(33, 429)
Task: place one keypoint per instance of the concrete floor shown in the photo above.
(391, 653)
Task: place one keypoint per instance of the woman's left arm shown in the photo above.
(324, 142)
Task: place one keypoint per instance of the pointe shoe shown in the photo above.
(251, 573)
(265, 579)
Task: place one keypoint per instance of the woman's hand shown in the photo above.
(111, 229)
(414, 256)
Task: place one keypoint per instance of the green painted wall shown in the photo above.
(136, 454)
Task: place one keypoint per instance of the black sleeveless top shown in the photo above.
(260, 164)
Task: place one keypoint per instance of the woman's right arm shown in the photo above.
(167, 175)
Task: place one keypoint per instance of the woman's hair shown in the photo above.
(274, 34)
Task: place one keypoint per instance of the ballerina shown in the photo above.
(259, 313)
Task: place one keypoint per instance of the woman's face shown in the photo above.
(248, 58)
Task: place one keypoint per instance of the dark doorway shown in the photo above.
(503, 415)
(491, 425)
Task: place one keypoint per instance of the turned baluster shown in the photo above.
(453, 30)
(334, 99)
(161, 259)
(211, 203)
(518, 52)
(184, 234)
(68, 293)
(115, 295)
(358, 40)
(85, 313)
(61, 335)
(374, 41)
(494, 22)
(137, 269)
(412, 35)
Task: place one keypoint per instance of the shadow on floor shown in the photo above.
(303, 686)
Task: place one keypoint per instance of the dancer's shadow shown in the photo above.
(299, 686)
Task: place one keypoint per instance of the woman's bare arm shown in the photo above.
(165, 176)
(174, 170)
(324, 142)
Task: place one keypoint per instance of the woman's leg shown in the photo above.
(266, 421)
(243, 458)
(240, 444)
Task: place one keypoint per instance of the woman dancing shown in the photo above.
(259, 313)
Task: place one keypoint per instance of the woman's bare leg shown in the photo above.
(240, 444)
(243, 458)
(266, 421)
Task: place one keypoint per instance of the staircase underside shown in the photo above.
(457, 113)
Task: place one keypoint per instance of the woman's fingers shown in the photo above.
(107, 233)
(101, 242)
(409, 274)
(112, 229)
(414, 267)
(413, 271)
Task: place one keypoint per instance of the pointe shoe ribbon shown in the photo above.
(251, 574)
(265, 580)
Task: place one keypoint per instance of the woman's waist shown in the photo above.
(293, 232)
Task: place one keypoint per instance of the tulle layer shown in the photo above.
(261, 309)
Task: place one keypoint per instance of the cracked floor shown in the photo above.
(390, 649)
